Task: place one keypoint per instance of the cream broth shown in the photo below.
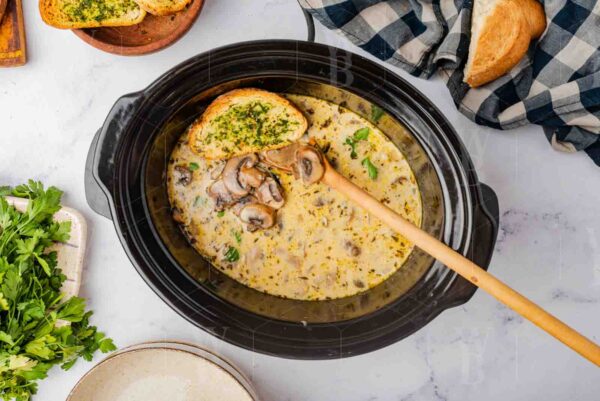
(322, 246)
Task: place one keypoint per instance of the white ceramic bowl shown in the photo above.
(160, 371)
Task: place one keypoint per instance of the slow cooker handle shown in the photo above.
(100, 162)
(487, 220)
(491, 208)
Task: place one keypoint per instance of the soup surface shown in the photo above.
(323, 246)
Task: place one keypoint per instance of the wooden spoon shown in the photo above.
(309, 164)
(463, 266)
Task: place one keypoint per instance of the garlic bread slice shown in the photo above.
(246, 121)
(163, 7)
(78, 14)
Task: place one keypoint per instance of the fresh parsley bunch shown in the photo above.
(39, 328)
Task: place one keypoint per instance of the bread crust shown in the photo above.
(53, 16)
(504, 39)
(162, 7)
(535, 16)
(222, 103)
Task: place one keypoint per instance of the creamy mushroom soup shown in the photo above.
(321, 246)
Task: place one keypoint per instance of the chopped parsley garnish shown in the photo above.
(232, 255)
(237, 235)
(221, 213)
(39, 327)
(193, 166)
(199, 201)
(376, 113)
(360, 135)
(250, 124)
(371, 169)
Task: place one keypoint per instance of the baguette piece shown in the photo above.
(163, 7)
(246, 121)
(501, 31)
(77, 14)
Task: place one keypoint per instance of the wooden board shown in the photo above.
(13, 49)
(70, 255)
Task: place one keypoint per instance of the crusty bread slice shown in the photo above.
(76, 14)
(163, 7)
(246, 121)
(501, 31)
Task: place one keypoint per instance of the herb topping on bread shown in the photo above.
(246, 121)
(78, 14)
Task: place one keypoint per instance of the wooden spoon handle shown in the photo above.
(465, 267)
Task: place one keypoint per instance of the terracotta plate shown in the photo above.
(152, 34)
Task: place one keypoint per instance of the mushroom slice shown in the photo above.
(257, 216)
(270, 193)
(215, 173)
(184, 175)
(240, 204)
(231, 174)
(309, 165)
(251, 176)
(352, 248)
(283, 158)
(220, 195)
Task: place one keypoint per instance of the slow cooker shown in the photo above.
(125, 181)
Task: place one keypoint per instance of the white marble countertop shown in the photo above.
(548, 247)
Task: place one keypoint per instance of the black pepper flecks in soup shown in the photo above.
(323, 246)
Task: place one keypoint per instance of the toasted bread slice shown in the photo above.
(163, 7)
(501, 31)
(246, 121)
(76, 14)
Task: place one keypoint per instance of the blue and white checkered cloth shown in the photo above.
(556, 85)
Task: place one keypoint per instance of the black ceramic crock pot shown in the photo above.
(125, 181)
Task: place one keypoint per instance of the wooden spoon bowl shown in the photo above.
(152, 34)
